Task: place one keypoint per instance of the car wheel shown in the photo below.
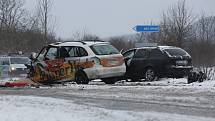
(109, 80)
(150, 74)
(81, 78)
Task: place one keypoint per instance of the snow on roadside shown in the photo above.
(21, 108)
(181, 82)
(164, 82)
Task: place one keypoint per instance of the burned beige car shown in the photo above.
(79, 61)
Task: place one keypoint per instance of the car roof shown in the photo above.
(78, 43)
(13, 57)
(159, 47)
(168, 47)
(154, 47)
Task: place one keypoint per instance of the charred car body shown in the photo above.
(79, 61)
(160, 61)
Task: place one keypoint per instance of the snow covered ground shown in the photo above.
(196, 97)
(177, 82)
(29, 108)
(181, 82)
(164, 83)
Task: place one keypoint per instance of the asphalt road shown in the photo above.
(177, 100)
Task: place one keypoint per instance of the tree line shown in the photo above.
(180, 27)
(28, 31)
(23, 30)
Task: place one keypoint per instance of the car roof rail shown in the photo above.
(57, 43)
(67, 41)
(94, 40)
(83, 41)
(78, 41)
(149, 47)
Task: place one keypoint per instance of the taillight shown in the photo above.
(112, 61)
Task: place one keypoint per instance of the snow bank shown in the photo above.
(174, 82)
(20, 108)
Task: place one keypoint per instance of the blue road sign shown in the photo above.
(147, 28)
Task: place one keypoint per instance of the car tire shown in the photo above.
(81, 78)
(150, 74)
(109, 80)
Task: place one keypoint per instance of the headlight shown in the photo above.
(13, 69)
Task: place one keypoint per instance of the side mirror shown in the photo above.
(33, 56)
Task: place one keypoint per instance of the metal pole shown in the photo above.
(141, 36)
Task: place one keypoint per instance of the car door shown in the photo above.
(128, 56)
(140, 61)
(71, 61)
(157, 60)
(47, 65)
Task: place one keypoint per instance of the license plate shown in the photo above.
(181, 62)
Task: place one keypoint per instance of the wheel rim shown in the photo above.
(149, 75)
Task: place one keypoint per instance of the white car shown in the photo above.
(13, 68)
(79, 61)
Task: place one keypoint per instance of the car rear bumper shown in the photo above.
(178, 71)
(100, 72)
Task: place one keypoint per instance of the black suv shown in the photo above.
(157, 62)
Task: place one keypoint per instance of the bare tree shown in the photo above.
(176, 24)
(12, 19)
(205, 28)
(19, 29)
(203, 33)
(202, 49)
(83, 35)
(11, 13)
(44, 9)
(121, 43)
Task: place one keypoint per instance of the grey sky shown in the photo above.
(113, 17)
